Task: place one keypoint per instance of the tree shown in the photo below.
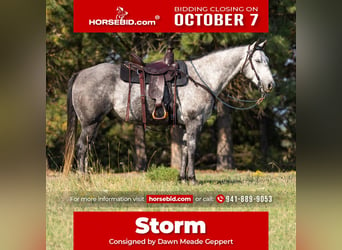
(224, 138)
(140, 148)
(176, 146)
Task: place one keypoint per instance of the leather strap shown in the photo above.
(143, 95)
(249, 59)
(249, 53)
(174, 101)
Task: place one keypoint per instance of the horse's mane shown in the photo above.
(215, 52)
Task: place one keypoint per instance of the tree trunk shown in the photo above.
(176, 146)
(224, 138)
(264, 138)
(140, 148)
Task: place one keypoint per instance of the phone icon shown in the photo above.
(220, 198)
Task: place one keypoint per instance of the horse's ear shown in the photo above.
(262, 44)
(253, 45)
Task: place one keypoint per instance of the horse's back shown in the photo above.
(92, 91)
(98, 72)
(96, 77)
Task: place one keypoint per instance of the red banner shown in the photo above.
(167, 230)
(171, 16)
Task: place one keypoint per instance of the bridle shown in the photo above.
(249, 57)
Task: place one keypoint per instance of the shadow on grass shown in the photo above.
(219, 182)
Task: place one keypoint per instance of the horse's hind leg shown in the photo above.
(86, 138)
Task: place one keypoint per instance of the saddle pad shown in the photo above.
(182, 78)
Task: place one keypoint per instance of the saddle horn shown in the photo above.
(169, 56)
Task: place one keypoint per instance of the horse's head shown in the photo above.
(255, 67)
(120, 10)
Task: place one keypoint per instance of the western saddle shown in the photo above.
(160, 75)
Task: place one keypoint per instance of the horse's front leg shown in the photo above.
(193, 128)
(182, 174)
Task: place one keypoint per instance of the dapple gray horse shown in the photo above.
(98, 91)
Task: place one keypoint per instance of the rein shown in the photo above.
(207, 88)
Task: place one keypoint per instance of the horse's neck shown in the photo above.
(219, 68)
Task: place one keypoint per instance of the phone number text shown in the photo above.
(249, 198)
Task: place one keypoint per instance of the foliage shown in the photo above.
(55, 129)
(68, 52)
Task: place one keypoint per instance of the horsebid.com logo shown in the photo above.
(121, 14)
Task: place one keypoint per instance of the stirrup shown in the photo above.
(159, 118)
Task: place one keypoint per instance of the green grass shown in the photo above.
(282, 187)
(162, 174)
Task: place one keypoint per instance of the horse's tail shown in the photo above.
(70, 137)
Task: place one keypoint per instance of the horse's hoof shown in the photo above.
(182, 180)
(80, 173)
(193, 181)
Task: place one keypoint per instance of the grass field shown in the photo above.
(281, 186)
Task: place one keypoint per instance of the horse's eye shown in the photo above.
(258, 60)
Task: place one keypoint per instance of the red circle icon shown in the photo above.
(220, 198)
